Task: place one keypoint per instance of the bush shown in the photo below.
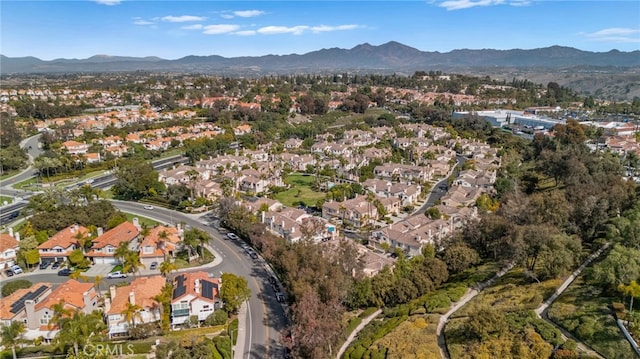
(13, 286)
(456, 293)
(357, 352)
(438, 300)
(218, 317)
(223, 345)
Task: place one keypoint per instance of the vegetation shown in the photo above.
(9, 287)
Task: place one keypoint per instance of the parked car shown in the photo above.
(232, 236)
(64, 272)
(272, 280)
(148, 207)
(8, 273)
(253, 255)
(44, 265)
(16, 269)
(116, 274)
(153, 265)
(280, 297)
(55, 265)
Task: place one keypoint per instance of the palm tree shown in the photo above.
(78, 328)
(131, 312)
(97, 280)
(163, 236)
(12, 335)
(122, 251)
(167, 267)
(132, 263)
(83, 240)
(59, 312)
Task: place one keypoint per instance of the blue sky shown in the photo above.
(174, 29)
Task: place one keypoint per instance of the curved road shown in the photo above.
(265, 319)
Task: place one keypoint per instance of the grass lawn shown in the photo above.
(196, 331)
(583, 310)
(181, 261)
(144, 221)
(300, 191)
(9, 200)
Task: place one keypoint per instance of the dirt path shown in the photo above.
(355, 332)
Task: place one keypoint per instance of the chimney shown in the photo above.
(30, 309)
(107, 305)
(132, 298)
(136, 223)
(112, 292)
(72, 229)
(16, 236)
(197, 286)
(262, 217)
(11, 231)
(100, 231)
(86, 299)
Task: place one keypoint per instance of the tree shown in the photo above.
(167, 267)
(632, 290)
(131, 312)
(197, 237)
(132, 262)
(459, 257)
(622, 265)
(234, 292)
(97, 281)
(12, 335)
(136, 179)
(79, 328)
(32, 257)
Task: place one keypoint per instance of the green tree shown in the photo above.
(632, 290)
(234, 292)
(459, 257)
(32, 257)
(167, 267)
(12, 335)
(131, 312)
(79, 328)
(136, 179)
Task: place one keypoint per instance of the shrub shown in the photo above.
(13, 286)
(218, 317)
(357, 352)
(456, 293)
(439, 300)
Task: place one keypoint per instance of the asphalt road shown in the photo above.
(265, 318)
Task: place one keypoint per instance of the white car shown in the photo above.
(232, 236)
(16, 269)
(148, 207)
(117, 274)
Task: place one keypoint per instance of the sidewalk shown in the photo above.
(239, 347)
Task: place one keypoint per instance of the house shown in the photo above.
(72, 294)
(194, 294)
(160, 243)
(105, 245)
(58, 248)
(9, 244)
(356, 212)
(140, 292)
(242, 129)
(292, 143)
(253, 184)
(12, 306)
(75, 147)
(92, 157)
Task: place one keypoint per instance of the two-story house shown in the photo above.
(104, 246)
(58, 248)
(141, 292)
(9, 244)
(12, 306)
(194, 294)
(160, 243)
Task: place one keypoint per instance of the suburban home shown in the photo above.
(74, 295)
(12, 306)
(292, 143)
(160, 243)
(356, 212)
(141, 292)
(9, 244)
(254, 205)
(252, 184)
(105, 245)
(194, 294)
(75, 147)
(412, 233)
(58, 248)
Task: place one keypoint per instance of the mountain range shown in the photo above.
(386, 58)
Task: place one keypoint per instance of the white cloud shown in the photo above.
(245, 33)
(466, 4)
(248, 13)
(108, 2)
(616, 34)
(227, 16)
(183, 18)
(273, 30)
(193, 27)
(220, 29)
(325, 28)
(142, 22)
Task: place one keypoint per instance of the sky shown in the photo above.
(174, 29)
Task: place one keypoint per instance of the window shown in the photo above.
(45, 318)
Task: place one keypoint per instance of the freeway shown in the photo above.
(10, 212)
